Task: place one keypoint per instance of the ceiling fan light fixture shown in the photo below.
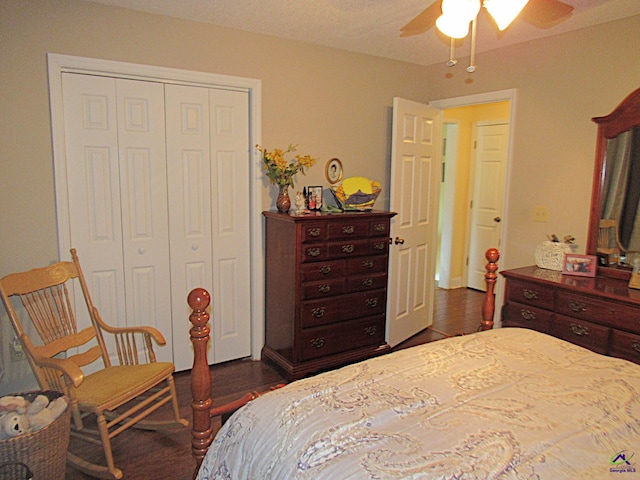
(504, 11)
(462, 9)
(452, 27)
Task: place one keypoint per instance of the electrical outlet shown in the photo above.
(16, 352)
(540, 214)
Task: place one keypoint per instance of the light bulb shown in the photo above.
(452, 27)
(504, 11)
(467, 9)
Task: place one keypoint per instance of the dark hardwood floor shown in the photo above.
(144, 455)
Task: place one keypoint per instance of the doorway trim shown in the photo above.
(492, 97)
(58, 64)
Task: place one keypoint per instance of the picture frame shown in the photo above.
(333, 171)
(580, 265)
(314, 198)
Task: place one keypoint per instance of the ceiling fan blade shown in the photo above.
(423, 21)
(545, 13)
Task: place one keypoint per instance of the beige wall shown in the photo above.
(562, 82)
(332, 103)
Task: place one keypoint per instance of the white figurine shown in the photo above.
(299, 202)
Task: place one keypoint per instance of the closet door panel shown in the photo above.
(143, 186)
(188, 174)
(230, 223)
(93, 190)
(158, 202)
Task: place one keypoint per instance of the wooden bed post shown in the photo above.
(489, 302)
(201, 434)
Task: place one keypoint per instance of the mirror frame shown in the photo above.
(625, 116)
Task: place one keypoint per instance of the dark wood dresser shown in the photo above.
(326, 289)
(601, 313)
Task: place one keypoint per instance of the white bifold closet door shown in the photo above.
(158, 204)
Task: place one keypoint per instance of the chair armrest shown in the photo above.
(68, 368)
(152, 332)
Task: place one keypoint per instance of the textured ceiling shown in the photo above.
(369, 26)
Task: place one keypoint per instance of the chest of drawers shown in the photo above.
(601, 313)
(325, 288)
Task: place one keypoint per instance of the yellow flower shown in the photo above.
(281, 172)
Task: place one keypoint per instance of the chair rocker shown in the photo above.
(138, 385)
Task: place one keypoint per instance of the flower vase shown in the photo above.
(283, 202)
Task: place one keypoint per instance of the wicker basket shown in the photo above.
(42, 453)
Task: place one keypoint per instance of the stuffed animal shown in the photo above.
(13, 403)
(44, 416)
(13, 424)
(25, 416)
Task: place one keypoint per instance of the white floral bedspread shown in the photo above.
(507, 403)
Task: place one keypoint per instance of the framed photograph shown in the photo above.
(581, 265)
(333, 171)
(314, 198)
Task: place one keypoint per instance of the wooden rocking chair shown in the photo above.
(138, 381)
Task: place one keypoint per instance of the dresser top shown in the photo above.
(601, 286)
(314, 216)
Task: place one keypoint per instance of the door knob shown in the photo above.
(399, 241)
(497, 219)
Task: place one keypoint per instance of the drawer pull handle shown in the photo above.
(325, 269)
(367, 282)
(530, 294)
(318, 312)
(379, 227)
(579, 330)
(349, 229)
(370, 331)
(636, 346)
(367, 264)
(324, 288)
(317, 342)
(314, 232)
(371, 302)
(527, 314)
(577, 306)
(313, 252)
(348, 248)
(379, 246)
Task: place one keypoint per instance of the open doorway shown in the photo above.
(475, 157)
(461, 118)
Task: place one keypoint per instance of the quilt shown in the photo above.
(507, 403)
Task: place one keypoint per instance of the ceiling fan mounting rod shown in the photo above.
(452, 61)
(472, 60)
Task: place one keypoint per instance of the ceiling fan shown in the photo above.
(452, 17)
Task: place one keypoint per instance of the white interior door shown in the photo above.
(230, 226)
(151, 171)
(208, 165)
(415, 179)
(114, 135)
(143, 203)
(188, 172)
(492, 142)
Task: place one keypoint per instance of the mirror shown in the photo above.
(614, 221)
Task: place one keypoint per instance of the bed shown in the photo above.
(500, 403)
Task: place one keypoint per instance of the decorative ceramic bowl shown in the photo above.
(356, 201)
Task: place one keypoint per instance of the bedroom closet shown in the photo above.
(156, 178)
